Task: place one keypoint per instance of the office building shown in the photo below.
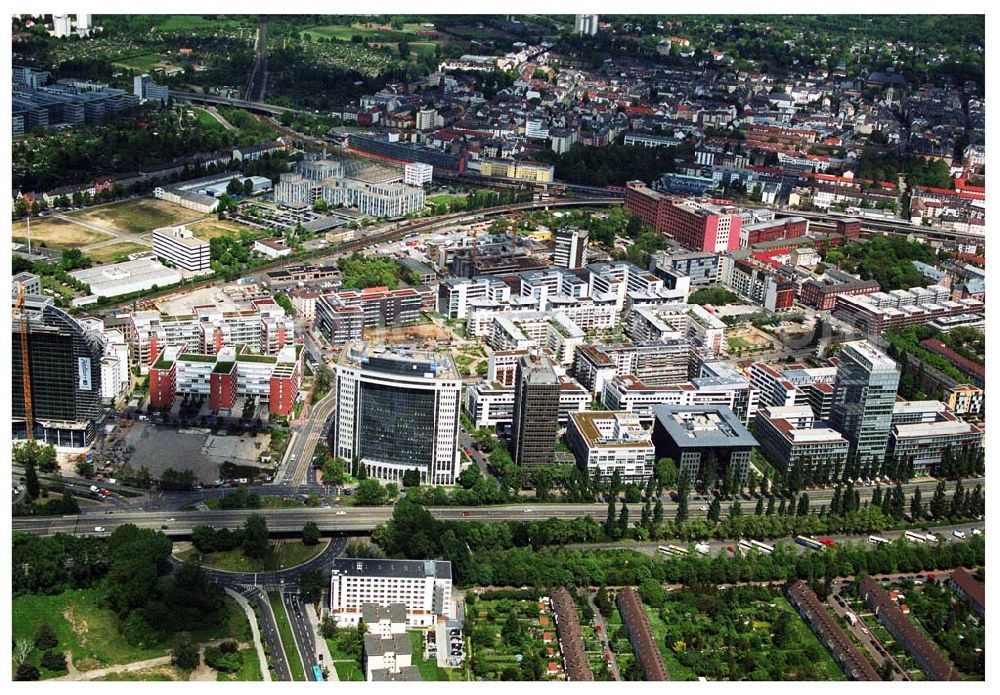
(694, 225)
(701, 267)
(417, 173)
(585, 24)
(536, 412)
(62, 25)
(571, 248)
(181, 248)
(863, 399)
(65, 376)
(343, 316)
(394, 199)
(147, 90)
(923, 430)
(795, 384)
(293, 191)
(397, 410)
(31, 283)
(789, 435)
(676, 320)
(490, 403)
(695, 435)
(609, 441)
(423, 587)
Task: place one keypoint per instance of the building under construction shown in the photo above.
(64, 364)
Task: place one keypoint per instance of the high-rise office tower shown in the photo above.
(397, 410)
(536, 411)
(864, 394)
(65, 376)
(571, 248)
(585, 24)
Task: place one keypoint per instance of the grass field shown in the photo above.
(57, 234)
(349, 671)
(155, 673)
(145, 62)
(207, 120)
(209, 229)
(429, 670)
(284, 553)
(84, 628)
(250, 670)
(111, 252)
(285, 632)
(136, 216)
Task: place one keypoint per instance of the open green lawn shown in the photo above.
(446, 198)
(285, 632)
(284, 553)
(89, 632)
(250, 670)
(115, 252)
(145, 62)
(209, 229)
(429, 670)
(84, 628)
(156, 673)
(677, 671)
(207, 120)
(349, 671)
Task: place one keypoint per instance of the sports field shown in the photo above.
(211, 228)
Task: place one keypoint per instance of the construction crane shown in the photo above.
(29, 417)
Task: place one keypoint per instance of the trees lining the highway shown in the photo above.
(255, 536)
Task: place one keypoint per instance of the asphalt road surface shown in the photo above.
(363, 519)
(302, 631)
(269, 629)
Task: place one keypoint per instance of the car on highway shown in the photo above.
(958, 533)
(341, 513)
(703, 508)
(164, 526)
(465, 514)
(528, 510)
(977, 532)
(99, 529)
(865, 630)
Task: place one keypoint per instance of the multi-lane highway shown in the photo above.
(364, 519)
(297, 463)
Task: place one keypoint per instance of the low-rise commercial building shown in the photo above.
(691, 435)
(789, 435)
(608, 442)
(116, 279)
(923, 430)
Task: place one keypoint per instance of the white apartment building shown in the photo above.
(422, 586)
(417, 173)
(264, 328)
(456, 295)
(571, 248)
(180, 247)
(789, 435)
(665, 321)
(611, 441)
(529, 330)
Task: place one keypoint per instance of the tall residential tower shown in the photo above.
(864, 394)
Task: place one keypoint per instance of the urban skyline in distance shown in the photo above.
(498, 347)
